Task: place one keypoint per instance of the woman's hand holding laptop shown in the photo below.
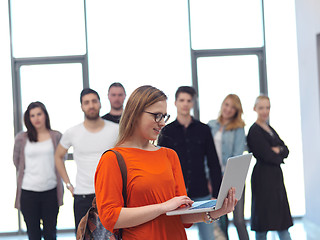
(207, 215)
(228, 205)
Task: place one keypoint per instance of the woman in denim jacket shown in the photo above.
(229, 139)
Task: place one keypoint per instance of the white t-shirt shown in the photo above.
(87, 150)
(218, 144)
(39, 172)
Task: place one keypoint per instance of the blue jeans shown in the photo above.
(283, 235)
(205, 230)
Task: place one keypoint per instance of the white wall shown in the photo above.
(308, 25)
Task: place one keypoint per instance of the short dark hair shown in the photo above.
(117, 84)
(86, 91)
(186, 89)
(31, 131)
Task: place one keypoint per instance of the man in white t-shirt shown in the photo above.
(89, 140)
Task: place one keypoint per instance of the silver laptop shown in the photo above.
(234, 176)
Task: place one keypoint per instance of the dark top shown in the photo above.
(194, 145)
(112, 118)
(270, 208)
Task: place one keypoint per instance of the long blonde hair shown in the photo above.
(237, 121)
(138, 101)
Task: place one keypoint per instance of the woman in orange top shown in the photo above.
(155, 182)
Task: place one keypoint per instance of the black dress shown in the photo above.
(270, 208)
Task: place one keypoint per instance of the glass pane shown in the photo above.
(47, 28)
(220, 76)
(219, 24)
(58, 86)
(284, 93)
(9, 215)
(66, 217)
(153, 51)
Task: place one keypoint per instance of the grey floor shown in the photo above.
(300, 231)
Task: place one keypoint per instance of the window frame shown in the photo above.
(16, 64)
(259, 51)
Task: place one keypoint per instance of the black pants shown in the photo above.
(37, 206)
(81, 205)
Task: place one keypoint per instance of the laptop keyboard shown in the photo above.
(209, 204)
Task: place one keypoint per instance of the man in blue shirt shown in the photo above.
(193, 142)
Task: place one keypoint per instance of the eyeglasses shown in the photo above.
(159, 116)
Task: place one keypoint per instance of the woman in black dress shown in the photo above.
(270, 208)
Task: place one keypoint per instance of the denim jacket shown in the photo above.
(233, 141)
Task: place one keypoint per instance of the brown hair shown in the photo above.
(31, 131)
(138, 101)
(237, 121)
(117, 84)
(186, 89)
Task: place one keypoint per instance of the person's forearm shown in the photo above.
(130, 217)
(61, 168)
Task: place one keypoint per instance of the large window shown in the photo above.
(51, 85)
(283, 84)
(47, 28)
(7, 170)
(222, 51)
(220, 76)
(137, 43)
(49, 62)
(229, 56)
(219, 24)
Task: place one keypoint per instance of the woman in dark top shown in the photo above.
(270, 208)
